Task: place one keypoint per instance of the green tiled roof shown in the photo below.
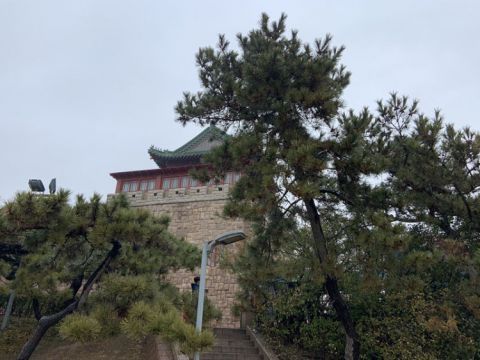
(192, 150)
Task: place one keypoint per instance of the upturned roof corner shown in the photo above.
(192, 151)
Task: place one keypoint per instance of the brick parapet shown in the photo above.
(172, 196)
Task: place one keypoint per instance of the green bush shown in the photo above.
(189, 309)
(80, 328)
(160, 319)
(123, 291)
(108, 319)
(22, 307)
(164, 324)
(291, 317)
(323, 334)
(191, 341)
(136, 324)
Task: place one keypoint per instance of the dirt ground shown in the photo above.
(53, 348)
(118, 348)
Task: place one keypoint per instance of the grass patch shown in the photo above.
(16, 334)
(53, 347)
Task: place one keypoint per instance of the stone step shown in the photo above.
(231, 344)
(229, 356)
(240, 338)
(235, 349)
(231, 335)
(228, 331)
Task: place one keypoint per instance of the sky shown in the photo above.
(87, 86)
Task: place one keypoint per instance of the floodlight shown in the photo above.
(36, 185)
(52, 186)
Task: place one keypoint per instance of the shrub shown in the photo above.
(189, 309)
(123, 291)
(164, 320)
(22, 307)
(191, 341)
(80, 328)
(108, 319)
(135, 325)
(163, 324)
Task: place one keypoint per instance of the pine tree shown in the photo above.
(403, 185)
(56, 253)
(282, 99)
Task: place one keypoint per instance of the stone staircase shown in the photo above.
(232, 344)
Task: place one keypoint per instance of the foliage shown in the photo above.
(121, 291)
(22, 306)
(106, 315)
(281, 97)
(370, 219)
(57, 253)
(414, 303)
(137, 309)
(15, 335)
(193, 341)
(165, 320)
(80, 328)
(189, 309)
(291, 315)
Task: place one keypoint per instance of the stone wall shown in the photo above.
(196, 215)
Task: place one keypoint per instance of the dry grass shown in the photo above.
(118, 348)
(52, 347)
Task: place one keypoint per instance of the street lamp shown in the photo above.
(224, 239)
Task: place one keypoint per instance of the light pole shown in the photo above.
(224, 239)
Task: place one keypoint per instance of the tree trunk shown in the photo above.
(8, 311)
(352, 343)
(36, 309)
(46, 322)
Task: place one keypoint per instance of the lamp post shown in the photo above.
(224, 239)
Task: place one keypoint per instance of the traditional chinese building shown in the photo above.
(195, 210)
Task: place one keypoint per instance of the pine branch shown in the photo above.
(112, 254)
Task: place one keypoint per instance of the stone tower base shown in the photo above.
(195, 214)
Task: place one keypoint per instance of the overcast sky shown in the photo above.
(87, 86)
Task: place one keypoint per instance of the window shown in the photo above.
(151, 184)
(166, 183)
(126, 186)
(236, 177)
(229, 178)
(143, 185)
(193, 182)
(174, 183)
(133, 186)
